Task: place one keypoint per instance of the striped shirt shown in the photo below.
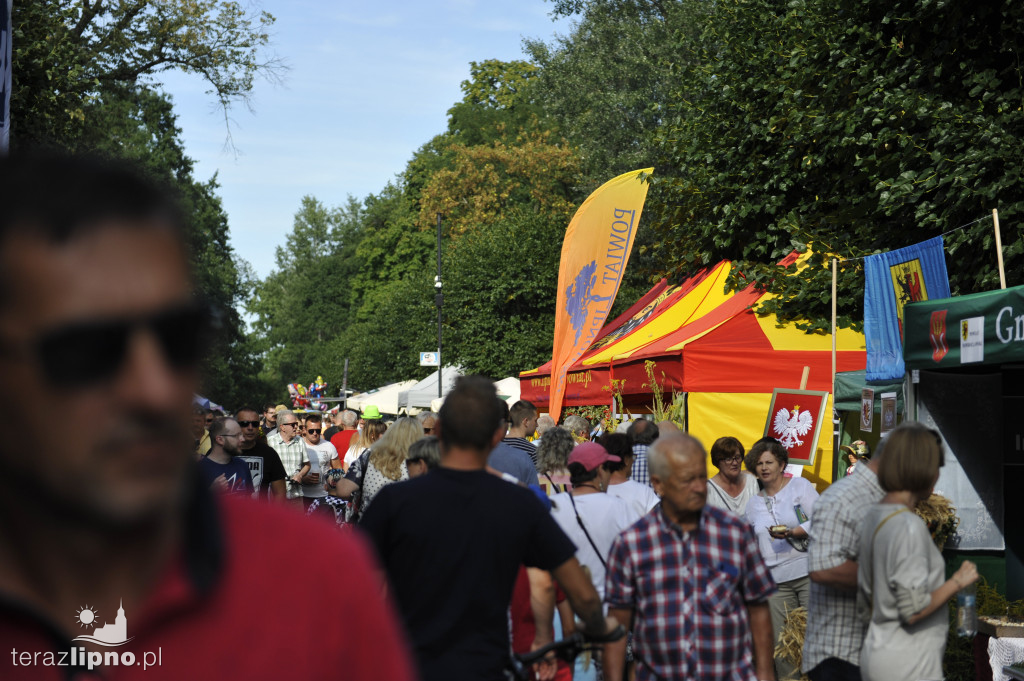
(833, 627)
(689, 592)
(522, 444)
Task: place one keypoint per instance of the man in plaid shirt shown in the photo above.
(691, 580)
(642, 433)
(834, 632)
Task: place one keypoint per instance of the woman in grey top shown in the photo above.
(901, 586)
(732, 487)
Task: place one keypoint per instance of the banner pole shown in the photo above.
(999, 248)
(836, 434)
(834, 277)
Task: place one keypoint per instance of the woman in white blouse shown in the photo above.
(780, 516)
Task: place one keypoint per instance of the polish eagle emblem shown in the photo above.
(791, 426)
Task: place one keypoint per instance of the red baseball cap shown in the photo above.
(591, 455)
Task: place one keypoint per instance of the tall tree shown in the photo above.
(300, 306)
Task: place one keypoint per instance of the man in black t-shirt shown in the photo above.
(264, 463)
(452, 542)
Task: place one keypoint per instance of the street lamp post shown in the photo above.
(438, 301)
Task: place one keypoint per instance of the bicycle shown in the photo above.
(520, 666)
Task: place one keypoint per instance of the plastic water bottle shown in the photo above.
(967, 612)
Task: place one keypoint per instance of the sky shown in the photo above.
(367, 84)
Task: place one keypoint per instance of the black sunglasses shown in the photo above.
(249, 424)
(313, 431)
(86, 353)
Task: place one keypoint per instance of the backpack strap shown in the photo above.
(584, 528)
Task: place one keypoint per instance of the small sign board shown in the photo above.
(798, 429)
(888, 413)
(867, 409)
(430, 359)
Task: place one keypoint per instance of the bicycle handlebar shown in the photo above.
(570, 647)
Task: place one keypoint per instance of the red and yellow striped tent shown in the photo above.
(709, 344)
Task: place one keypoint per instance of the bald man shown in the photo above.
(718, 623)
(668, 427)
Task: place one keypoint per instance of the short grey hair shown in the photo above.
(428, 449)
(424, 415)
(285, 412)
(349, 418)
(672, 445)
(577, 424)
(544, 424)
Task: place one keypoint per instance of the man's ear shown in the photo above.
(656, 484)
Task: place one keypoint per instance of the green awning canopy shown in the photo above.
(848, 387)
(965, 331)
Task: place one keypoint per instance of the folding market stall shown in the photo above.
(966, 358)
(709, 344)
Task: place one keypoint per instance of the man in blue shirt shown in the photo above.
(220, 468)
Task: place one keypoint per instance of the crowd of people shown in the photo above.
(430, 547)
(762, 562)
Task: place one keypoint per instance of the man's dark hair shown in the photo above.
(56, 196)
(314, 418)
(642, 432)
(239, 411)
(617, 444)
(520, 410)
(218, 427)
(470, 414)
(267, 407)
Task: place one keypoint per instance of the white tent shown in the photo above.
(384, 398)
(508, 389)
(421, 395)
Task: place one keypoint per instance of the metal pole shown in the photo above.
(438, 300)
(344, 387)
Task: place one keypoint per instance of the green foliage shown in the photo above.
(500, 286)
(67, 51)
(497, 101)
(853, 127)
(301, 305)
(605, 85)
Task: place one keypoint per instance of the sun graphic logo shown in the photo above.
(110, 635)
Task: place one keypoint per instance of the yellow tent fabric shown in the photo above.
(742, 415)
